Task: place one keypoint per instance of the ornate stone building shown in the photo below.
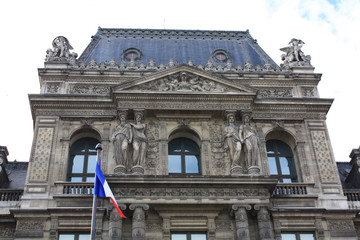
(204, 137)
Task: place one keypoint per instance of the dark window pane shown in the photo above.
(191, 146)
(78, 146)
(272, 166)
(92, 144)
(174, 163)
(77, 164)
(91, 164)
(175, 146)
(269, 147)
(191, 164)
(283, 148)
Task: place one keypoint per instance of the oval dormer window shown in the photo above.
(131, 54)
(220, 55)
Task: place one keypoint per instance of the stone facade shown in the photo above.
(137, 109)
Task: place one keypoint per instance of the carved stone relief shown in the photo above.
(39, 164)
(52, 87)
(7, 230)
(219, 156)
(328, 174)
(185, 82)
(89, 89)
(308, 91)
(275, 92)
(341, 225)
(152, 165)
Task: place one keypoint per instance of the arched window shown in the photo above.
(184, 157)
(82, 160)
(281, 161)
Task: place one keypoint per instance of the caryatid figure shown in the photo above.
(122, 137)
(140, 140)
(232, 140)
(250, 138)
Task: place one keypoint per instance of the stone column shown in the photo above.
(241, 221)
(266, 231)
(138, 221)
(115, 224)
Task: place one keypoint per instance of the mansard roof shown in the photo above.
(178, 45)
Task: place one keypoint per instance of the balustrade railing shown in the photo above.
(78, 188)
(290, 189)
(10, 195)
(352, 195)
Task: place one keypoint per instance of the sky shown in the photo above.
(329, 28)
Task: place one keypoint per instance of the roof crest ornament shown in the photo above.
(294, 56)
(61, 51)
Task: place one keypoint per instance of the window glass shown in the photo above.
(281, 161)
(191, 164)
(175, 146)
(175, 164)
(184, 156)
(84, 237)
(288, 236)
(178, 236)
(76, 179)
(198, 236)
(307, 236)
(78, 164)
(272, 165)
(91, 164)
(66, 237)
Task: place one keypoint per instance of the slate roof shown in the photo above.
(16, 172)
(178, 45)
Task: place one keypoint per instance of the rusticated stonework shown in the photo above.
(39, 164)
(328, 174)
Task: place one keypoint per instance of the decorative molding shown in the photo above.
(342, 225)
(275, 93)
(328, 173)
(89, 89)
(39, 164)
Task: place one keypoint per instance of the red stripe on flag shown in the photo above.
(117, 208)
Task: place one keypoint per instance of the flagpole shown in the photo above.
(94, 206)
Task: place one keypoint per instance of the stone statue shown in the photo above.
(294, 54)
(232, 140)
(250, 138)
(122, 137)
(61, 50)
(139, 142)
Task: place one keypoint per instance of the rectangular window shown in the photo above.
(74, 236)
(188, 236)
(297, 236)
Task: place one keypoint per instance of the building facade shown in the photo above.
(204, 137)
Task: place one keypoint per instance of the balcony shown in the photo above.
(353, 197)
(78, 188)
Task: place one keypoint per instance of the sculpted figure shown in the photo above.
(294, 52)
(249, 137)
(232, 141)
(122, 137)
(61, 50)
(139, 140)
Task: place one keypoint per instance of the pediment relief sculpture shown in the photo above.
(184, 82)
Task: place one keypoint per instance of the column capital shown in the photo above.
(144, 206)
(238, 206)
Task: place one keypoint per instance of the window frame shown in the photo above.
(84, 174)
(183, 155)
(188, 234)
(297, 234)
(292, 176)
(75, 234)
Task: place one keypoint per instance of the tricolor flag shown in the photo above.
(102, 188)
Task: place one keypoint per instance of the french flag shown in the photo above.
(102, 188)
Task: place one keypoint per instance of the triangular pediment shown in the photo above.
(183, 79)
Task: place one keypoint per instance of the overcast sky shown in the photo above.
(329, 28)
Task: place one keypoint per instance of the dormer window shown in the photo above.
(220, 56)
(131, 54)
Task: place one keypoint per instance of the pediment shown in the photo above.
(183, 79)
